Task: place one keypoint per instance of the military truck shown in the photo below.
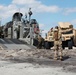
(49, 41)
(68, 36)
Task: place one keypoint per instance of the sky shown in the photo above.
(47, 12)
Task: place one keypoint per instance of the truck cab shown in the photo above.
(66, 30)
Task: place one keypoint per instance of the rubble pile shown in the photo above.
(36, 53)
(33, 53)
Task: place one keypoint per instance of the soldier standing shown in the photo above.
(57, 44)
(40, 39)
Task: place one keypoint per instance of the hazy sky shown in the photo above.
(47, 12)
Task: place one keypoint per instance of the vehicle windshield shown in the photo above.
(68, 32)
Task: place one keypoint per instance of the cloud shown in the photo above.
(69, 10)
(41, 26)
(50, 9)
(23, 2)
(37, 6)
(42, 31)
(7, 11)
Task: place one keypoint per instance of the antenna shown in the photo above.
(25, 16)
(30, 13)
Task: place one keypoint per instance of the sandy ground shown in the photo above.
(16, 62)
(8, 68)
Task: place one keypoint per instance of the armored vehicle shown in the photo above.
(68, 36)
(21, 28)
(49, 40)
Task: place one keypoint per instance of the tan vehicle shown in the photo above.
(49, 41)
(68, 36)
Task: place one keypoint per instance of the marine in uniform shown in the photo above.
(57, 44)
(40, 40)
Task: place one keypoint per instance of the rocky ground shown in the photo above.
(37, 61)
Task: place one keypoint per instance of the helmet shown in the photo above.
(55, 30)
(56, 27)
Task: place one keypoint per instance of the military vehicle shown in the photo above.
(49, 41)
(24, 29)
(68, 36)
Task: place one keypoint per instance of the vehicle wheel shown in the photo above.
(63, 47)
(70, 44)
(35, 42)
(47, 45)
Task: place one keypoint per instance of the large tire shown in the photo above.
(63, 47)
(70, 44)
(47, 46)
(35, 42)
(63, 44)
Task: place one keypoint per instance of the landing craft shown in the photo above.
(22, 29)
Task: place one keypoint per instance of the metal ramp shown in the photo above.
(14, 44)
